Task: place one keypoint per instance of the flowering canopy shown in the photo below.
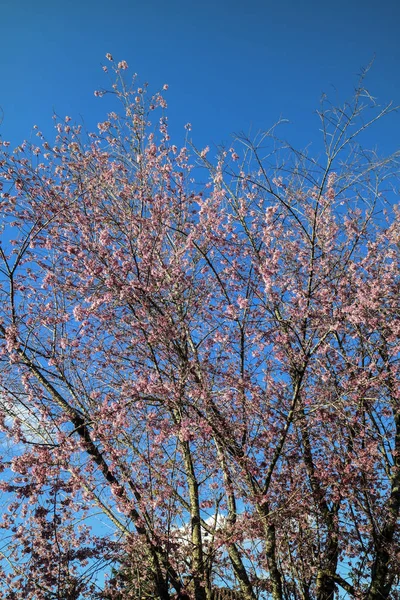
(199, 382)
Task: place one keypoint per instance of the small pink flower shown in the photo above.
(153, 150)
(109, 56)
(104, 126)
(11, 334)
(243, 302)
(78, 314)
(230, 311)
(165, 86)
(123, 65)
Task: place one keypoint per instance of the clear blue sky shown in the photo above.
(231, 66)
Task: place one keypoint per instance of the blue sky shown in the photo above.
(231, 66)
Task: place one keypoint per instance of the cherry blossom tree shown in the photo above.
(199, 381)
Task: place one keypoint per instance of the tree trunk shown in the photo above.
(382, 579)
(270, 551)
(200, 583)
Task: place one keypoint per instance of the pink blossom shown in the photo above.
(104, 126)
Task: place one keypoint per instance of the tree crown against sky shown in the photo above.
(199, 361)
